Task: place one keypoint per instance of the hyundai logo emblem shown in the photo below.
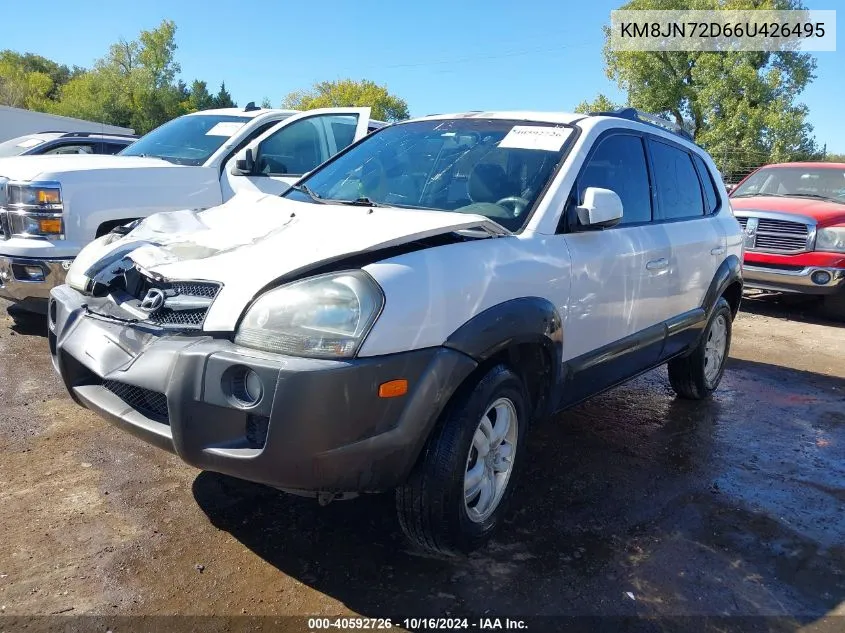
(153, 300)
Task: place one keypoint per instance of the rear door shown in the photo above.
(684, 221)
(295, 146)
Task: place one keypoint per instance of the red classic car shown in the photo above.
(793, 215)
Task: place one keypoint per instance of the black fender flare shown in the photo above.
(729, 272)
(531, 320)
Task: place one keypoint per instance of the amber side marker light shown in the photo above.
(393, 388)
(50, 226)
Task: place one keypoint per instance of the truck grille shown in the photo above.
(150, 404)
(5, 233)
(773, 235)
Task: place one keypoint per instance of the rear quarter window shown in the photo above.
(678, 187)
(710, 196)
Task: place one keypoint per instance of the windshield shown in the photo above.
(17, 146)
(802, 182)
(188, 140)
(494, 168)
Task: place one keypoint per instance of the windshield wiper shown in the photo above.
(755, 195)
(813, 195)
(363, 201)
(308, 192)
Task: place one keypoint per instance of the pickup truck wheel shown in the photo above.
(457, 493)
(697, 375)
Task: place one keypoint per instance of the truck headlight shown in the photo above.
(35, 210)
(326, 316)
(831, 239)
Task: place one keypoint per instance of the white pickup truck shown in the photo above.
(52, 206)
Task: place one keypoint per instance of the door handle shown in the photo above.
(657, 264)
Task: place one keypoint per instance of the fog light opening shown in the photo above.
(821, 277)
(244, 385)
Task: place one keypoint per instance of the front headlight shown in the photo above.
(35, 195)
(35, 210)
(831, 239)
(322, 317)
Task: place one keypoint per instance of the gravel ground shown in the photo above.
(634, 504)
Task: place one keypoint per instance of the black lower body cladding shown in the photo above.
(316, 425)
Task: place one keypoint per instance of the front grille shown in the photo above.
(5, 232)
(773, 235)
(785, 227)
(150, 404)
(185, 318)
(171, 314)
(787, 244)
(196, 289)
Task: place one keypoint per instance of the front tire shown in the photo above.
(457, 494)
(697, 375)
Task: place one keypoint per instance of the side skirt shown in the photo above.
(618, 362)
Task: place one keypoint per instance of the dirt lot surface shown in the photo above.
(633, 504)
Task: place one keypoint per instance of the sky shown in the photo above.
(438, 55)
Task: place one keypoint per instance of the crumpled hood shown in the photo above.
(253, 239)
(51, 167)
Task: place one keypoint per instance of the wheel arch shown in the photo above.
(727, 282)
(526, 334)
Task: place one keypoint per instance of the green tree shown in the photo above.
(266, 103)
(131, 86)
(223, 99)
(740, 106)
(835, 158)
(199, 98)
(600, 104)
(348, 92)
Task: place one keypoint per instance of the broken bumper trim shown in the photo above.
(317, 426)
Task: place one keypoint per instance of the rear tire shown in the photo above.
(458, 491)
(697, 375)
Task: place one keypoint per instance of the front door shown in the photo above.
(620, 276)
(295, 146)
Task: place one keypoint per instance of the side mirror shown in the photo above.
(244, 163)
(601, 208)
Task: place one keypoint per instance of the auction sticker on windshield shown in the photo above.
(225, 128)
(549, 139)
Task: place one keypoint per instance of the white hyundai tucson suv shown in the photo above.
(400, 318)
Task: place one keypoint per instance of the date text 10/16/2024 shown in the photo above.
(417, 624)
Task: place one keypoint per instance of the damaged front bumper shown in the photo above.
(299, 424)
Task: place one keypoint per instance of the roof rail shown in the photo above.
(632, 114)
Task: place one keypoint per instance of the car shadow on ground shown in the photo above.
(789, 306)
(27, 323)
(618, 512)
